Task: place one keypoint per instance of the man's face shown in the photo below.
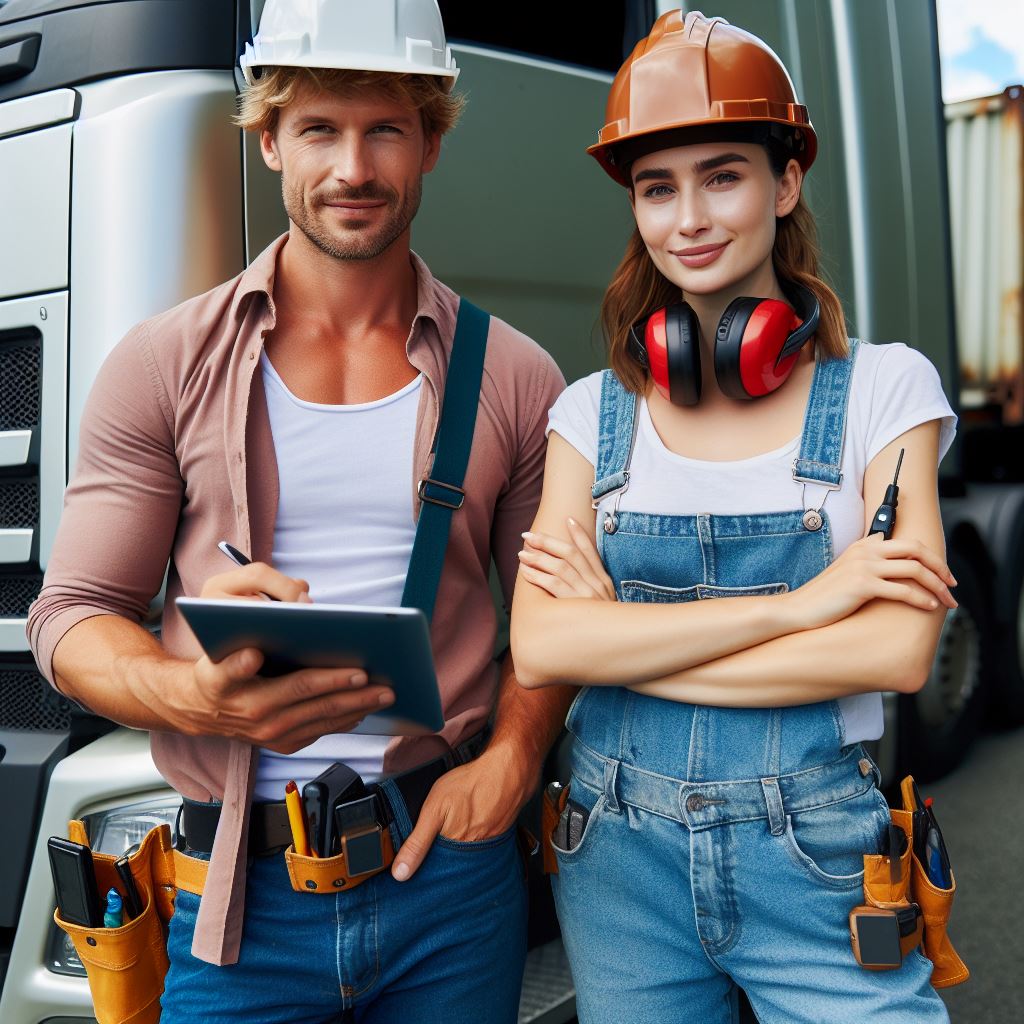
(351, 169)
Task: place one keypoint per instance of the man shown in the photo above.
(292, 411)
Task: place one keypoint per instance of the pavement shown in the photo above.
(980, 807)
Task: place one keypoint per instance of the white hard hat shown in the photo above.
(363, 35)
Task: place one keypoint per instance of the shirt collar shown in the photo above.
(258, 279)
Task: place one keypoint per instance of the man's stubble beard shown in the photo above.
(365, 243)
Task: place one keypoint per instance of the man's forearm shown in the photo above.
(114, 668)
(527, 722)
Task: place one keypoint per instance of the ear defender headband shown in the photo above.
(757, 342)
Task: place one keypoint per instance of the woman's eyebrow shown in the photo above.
(703, 166)
(652, 172)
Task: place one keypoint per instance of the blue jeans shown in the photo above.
(666, 906)
(446, 947)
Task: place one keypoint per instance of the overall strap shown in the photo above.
(442, 493)
(821, 443)
(616, 435)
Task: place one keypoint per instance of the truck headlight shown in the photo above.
(112, 831)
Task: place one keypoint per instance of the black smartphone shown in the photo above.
(132, 900)
(74, 882)
(875, 935)
(338, 784)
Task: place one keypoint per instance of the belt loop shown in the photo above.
(773, 801)
(611, 772)
(398, 808)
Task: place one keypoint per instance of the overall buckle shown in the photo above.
(452, 497)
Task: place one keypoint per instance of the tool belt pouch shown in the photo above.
(362, 856)
(887, 883)
(126, 965)
(552, 806)
(936, 905)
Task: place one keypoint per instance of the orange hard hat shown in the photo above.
(700, 72)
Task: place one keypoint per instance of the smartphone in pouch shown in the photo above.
(74, 882)
(571, 824)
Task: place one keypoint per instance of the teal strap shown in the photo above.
(441, 494)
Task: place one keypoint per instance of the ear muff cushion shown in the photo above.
(767, 331)
(729, 341)
(682, 348)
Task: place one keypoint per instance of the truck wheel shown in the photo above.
(1009, 672)
(938, 723)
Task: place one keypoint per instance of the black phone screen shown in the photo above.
(878, 937)
(74, 883)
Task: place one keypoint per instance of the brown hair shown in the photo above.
(638, 288)
(260, 104)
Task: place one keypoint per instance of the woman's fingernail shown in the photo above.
(358, 679)
(387, 697)
(527, 534)
(571, 521)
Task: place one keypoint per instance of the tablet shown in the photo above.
(392, 645)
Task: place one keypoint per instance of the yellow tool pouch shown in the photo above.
(889, 886)
(126, 965)
(327, 875)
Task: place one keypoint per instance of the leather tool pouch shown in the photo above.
(126, 965)
(552, 804)
(936, 905)
(372, 850)
(900, 885)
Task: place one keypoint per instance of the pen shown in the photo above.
(297, 820)
(238, 558)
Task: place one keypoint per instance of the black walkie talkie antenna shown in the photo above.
(885, 517)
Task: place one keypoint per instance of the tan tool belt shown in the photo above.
(892, 886)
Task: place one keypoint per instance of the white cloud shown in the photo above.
(1002, 21)
(967, 85)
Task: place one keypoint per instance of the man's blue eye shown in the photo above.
(657, 190)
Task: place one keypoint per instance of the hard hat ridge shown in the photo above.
(698, 71)
(400, 36)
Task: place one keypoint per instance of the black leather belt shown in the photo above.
(269, 830)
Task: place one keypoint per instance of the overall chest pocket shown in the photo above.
(638, 591)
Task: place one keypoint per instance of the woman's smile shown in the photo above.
(700, 256)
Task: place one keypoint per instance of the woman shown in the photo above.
(716, 758)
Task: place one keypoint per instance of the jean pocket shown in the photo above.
(829, 843)
(469, 845)
(568, 856)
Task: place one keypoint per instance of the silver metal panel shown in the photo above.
(35, 170)
(985, 144)
(49, 315)
(15, 546)
(12, 635)
(14, 446)
(156, 207)
(40, 111)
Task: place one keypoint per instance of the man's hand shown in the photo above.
(473, 802)
(284, 714)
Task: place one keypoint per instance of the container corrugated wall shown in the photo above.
(985, 141)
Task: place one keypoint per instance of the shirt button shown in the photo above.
(695, 802)
(252, 355)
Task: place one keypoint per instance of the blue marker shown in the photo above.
(113, 915)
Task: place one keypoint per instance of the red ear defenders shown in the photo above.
(756, 345)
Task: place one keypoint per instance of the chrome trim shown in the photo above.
(15, 546)
(14, 447)
(12, 635)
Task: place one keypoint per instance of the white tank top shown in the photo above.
(345, 524)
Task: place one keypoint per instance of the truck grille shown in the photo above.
(21, 380)
(17, 593)
(19, 504)
(28, 702)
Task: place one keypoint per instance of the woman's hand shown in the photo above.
(870, 568)
(566, 568)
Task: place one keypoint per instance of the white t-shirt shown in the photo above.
(344, 523)
(893, 389)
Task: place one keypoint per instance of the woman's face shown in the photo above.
(707, 214)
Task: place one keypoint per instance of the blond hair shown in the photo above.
(260, 104)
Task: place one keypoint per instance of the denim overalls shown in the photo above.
(724, 846)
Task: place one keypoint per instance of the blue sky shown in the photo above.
(982, 46)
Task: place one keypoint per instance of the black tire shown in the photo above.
(938, 724)
(1008, 675)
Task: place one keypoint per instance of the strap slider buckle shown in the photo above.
(442, 499)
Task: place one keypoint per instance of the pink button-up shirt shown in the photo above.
(176, 453)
